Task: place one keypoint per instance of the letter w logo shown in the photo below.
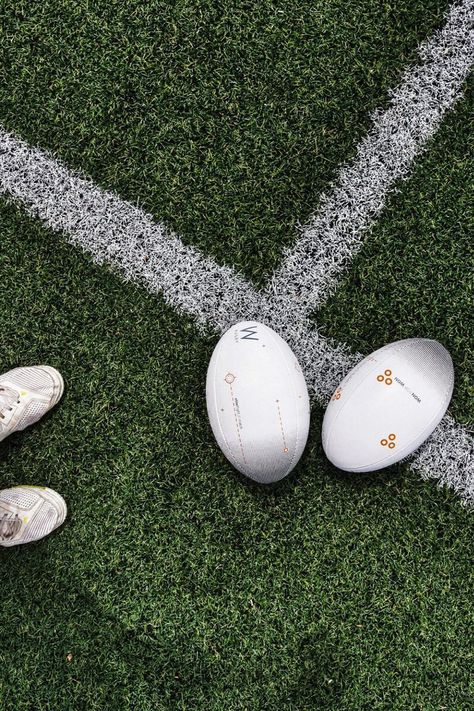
(250, 332)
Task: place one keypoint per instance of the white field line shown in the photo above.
(333, 236)
(120, 234)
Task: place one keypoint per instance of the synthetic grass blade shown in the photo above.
(333, 236)
(118, 233)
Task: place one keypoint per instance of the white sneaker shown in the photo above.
(28, 513)
(26, 394)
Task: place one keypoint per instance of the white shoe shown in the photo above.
(28, 513)
(26, 394)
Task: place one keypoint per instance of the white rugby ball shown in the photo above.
(388, 405)
(257, 401)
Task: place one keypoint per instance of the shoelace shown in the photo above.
(10, 524)
(8, 398)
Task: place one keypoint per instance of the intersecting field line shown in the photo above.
(332, 237)
(121, 234)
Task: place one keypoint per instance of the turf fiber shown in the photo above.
(226, 120)
(176, 583)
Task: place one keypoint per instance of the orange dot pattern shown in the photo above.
(389, 441)
(386, 377)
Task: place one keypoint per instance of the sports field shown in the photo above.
(167, 168)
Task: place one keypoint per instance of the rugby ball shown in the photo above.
(388, 405)
(257, 401)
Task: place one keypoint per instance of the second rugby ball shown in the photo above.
(388, 405)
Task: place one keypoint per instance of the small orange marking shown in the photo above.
(391, 443)
(285, 448)
(386, 377)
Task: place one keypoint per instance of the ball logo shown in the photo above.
(250, 333)
(390, 442)
(229, 378)
(386, 377)
(337, 394)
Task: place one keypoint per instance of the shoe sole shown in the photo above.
(58, 502)
(58, 381)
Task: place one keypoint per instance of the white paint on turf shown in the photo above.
(333, 236)
(120, 234)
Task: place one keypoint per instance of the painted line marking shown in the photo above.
(120, 234)
(333, 236)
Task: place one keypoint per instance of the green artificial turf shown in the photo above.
(226, 120)
(415, 274)
(177, 584)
